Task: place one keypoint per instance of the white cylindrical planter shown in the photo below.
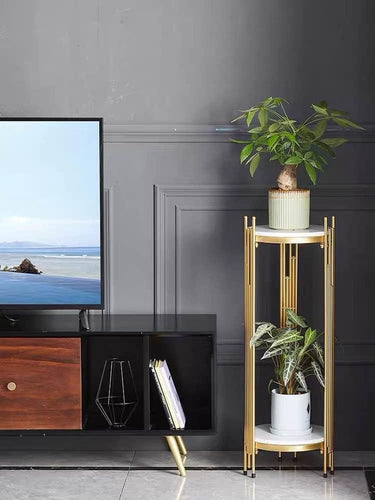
(289, 209)
(290, 414)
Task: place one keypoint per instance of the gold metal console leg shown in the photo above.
(173, 446)
(181, 445)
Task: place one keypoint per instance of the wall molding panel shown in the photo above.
(196, 133)
(172, 202)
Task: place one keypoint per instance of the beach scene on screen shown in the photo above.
(50, 213)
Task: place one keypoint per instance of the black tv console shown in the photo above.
(50, 371)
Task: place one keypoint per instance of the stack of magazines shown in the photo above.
(168, 394)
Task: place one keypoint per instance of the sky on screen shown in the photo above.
(50, 182)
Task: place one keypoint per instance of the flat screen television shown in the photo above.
(51, 224)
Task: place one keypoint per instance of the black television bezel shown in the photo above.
(101, 306)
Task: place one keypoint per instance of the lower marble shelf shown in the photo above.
(265, 440)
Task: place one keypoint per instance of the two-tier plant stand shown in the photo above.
(259, 437)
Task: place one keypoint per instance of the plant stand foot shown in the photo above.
(332, 472)
(253, 475)
(245, 472)
(325, 475)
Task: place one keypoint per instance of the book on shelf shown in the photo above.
(168, 394)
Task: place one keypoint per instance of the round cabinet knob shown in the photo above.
(11, 386)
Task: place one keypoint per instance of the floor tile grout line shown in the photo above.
(123, 486)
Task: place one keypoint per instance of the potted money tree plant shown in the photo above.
(292, 144)
(296, 354)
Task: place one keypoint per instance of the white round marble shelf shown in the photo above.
(264, 436)
(314, 234)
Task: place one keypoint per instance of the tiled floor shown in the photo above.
(135, 475)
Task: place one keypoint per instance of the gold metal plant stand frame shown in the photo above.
(289, 244)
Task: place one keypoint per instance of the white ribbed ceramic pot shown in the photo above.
(289, 209)
(290, 414)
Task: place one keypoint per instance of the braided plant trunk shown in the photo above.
(287, 179)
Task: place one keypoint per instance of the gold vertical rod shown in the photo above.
(247, 355)
(326, 358)
(332, 338)
(282, 285)
(287, 292)
(282, 250)
(292, 280)
(252, 331)
(296, 279)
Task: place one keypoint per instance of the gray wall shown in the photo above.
(168, 77)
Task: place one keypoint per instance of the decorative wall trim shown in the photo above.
(196, 133)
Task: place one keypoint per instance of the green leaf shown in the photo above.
(320, 128)
(255, 130)
(246, 152)
(272, 141)
(270, 353)
(337, 112)
(316, 165)
(267, 101)
(290, 136)
(240, 142)
(263, 117)
(286, 338)
(319, 110)
(274, 157)
(250, 116)
(327, 149)
(239, 118)
(345, 123)
(310, 336)
(294, 319)
(262, 329)
(274, 126)
(254, 164)
(318, 372)
(310, 171)
(319, 352)
(294, 160)
(289, 366)
(301, 379)
(334, 143)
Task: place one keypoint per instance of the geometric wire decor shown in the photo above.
(117, 396)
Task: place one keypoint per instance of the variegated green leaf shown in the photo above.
(271, 352)
(260, 331)
(287, 338)
(318, 372)
(301, 379)
(289, 367)
(319, 352)
(310, 336)
(294, 319)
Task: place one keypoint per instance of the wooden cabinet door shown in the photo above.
(40, 383)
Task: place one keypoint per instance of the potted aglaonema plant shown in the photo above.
(292, 143)
(296, 354)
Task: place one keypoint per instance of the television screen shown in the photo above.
(50, 213)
